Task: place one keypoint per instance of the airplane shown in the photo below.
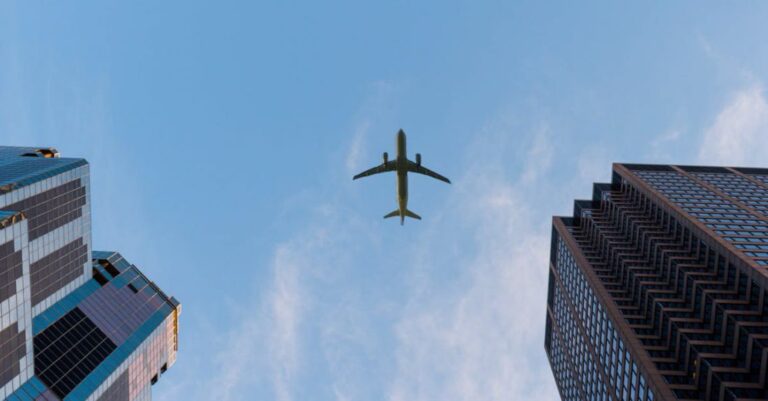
(402, 166)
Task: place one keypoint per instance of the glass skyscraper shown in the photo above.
(75, 324)
(657, 287)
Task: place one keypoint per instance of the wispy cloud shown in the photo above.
(282, 327)
(539, 156)
(662, 143)
(732, 66)
(357, 146)
(285, 301)
(373, 113)
(739, 133)
(267, 340)
(233, 362)
(480, 337)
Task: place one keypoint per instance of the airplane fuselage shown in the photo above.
(401, 166)
(402, 175)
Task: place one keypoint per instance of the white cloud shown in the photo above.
(271, 342)
(285, 302)
(662, 144)
(539, 157)
(283, 326)
(482, 337)
(374, 112)
(739, 134)
(731, 66)
(266, 341)
(356, 148)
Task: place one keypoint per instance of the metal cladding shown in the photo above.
(74, 324)
(10, 269)
(657, 287)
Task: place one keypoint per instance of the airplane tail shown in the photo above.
(408, 213)
(412, 214)
(393, 214)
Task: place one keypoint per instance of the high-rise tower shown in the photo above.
(657, 287)
(74, 324)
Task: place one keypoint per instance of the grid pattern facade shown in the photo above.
(75, 355)
(589, 358)
(44, 206)
(57, 269)
(52, 272)
(117, 391)
(107, 306)
(748, 192)
(662, 245)
(69, 350)
(144, 365)
(761, 177)
(10, 269)
(15, 309)
(74, 324)
(13, 348)
(726, 218)
(52, 208)
(18, 171)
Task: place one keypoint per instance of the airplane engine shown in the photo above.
(418, 159)
(386, 157)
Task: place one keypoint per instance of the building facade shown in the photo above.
(657, 287)
(75, 324)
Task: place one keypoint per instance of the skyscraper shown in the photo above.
(74, 324)
(657, 287)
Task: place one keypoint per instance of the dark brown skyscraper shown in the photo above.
(657, 287)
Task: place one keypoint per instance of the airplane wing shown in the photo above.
(388, 166)
(417, 168)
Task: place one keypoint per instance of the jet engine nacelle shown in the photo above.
(386, 157)
(418, 159)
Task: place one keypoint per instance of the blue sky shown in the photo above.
(223, 136)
